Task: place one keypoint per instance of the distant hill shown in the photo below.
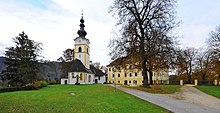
(49, 69)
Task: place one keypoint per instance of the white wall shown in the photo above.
(63, 80)
(102, 79)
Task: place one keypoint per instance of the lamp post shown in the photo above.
(114, 70)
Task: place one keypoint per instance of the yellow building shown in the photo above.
(131, 75)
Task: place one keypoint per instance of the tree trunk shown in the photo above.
(144, 74)
(151, 76)
(203, 76)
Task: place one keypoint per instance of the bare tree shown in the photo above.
(203, 61)
(145, 28)
(186, 61)
(214, 41)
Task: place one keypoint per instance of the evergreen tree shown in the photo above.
(21, 61)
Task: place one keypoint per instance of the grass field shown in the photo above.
(159, 89)
(87, 99)
(211, 90)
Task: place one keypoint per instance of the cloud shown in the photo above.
(55, 24)
(199, 17)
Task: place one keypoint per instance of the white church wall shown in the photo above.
(101, 80)
(90, 80)
(64, 80)
(72, 78)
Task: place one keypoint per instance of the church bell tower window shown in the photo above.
(80, 49)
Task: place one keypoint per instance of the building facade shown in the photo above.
(131, 75)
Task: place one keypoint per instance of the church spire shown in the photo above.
(81, 32)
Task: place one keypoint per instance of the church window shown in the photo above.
(118, 75)
(113, 75)
(125, 75)
(118, 81)
(89, 78)
(81, 76)
(129, 81)
(80, 49)
(130, 74)
(109, 69)
(87, 50)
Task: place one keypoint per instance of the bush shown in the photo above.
(37, 84)
(53, 81)
(11, 89)
(43, 84)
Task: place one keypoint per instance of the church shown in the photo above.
(81, 70)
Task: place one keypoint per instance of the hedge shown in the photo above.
(11, 89)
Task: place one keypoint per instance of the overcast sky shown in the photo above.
(55, 24)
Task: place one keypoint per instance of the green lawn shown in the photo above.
(87, 99)
(159, 89)
(211, 90)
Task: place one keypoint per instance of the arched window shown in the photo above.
(89, 78)
(80, 49)
(87, 50)
(81, 77)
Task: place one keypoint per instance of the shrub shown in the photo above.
(11, 89)
(37, 84)
(53, 81)
(43, 84)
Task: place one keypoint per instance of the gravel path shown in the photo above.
(189, 100)
(192, 95)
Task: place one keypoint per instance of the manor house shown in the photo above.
(129, 74)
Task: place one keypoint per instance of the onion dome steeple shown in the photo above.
(81, 32)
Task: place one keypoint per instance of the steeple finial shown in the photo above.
(82, 13)
(81, 32)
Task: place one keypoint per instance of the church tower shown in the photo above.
(82, 50)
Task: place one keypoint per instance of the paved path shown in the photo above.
(177, 105)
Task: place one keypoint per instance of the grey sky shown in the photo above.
(55, 24)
